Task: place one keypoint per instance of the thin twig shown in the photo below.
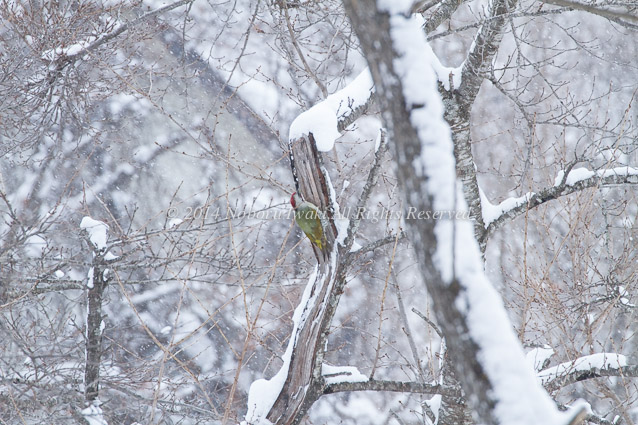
(293, 39)
(428, 321)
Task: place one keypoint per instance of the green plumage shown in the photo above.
(308, 218)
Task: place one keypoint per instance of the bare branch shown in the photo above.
(354, 114)
(302, 57)
(377, 244)
(428, 321)
(371, 182)
(395, 386)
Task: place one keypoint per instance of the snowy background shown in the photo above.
(163, 153)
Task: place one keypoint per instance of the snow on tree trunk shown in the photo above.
(487, 357)
(96, 235)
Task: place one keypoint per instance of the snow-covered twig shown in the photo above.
(65, 59)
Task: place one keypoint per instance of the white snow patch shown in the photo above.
(618, 171)
(395, 7)
(110, 257)
(59, 274)
(97, 231)
(89, 282)
(585, 363)
(337, 374)
(93, 414)
(579, 174)
(491, 212)
(435, 405)
(346, 184)
(341, 223)
(574, 176)
(321, 120)
(53, 54)
(443, 73)
(174, 222)
(356, 246)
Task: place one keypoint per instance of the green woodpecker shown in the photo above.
(308, 217)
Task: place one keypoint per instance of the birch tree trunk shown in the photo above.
(450, 299)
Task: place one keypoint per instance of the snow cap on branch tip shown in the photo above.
(322, 120)
(97, 230)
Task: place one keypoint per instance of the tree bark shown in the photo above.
(304, 383)
(458, 107)
(94, 329)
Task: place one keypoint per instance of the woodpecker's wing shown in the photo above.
(308, 218)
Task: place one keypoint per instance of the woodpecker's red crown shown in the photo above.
(292, 200)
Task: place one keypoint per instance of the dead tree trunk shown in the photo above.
(304, 383)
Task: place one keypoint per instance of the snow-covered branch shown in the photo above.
(328, 118)
(495, 216)
(75, 52)
(287, 396)
(264, 392)
(587, 367)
